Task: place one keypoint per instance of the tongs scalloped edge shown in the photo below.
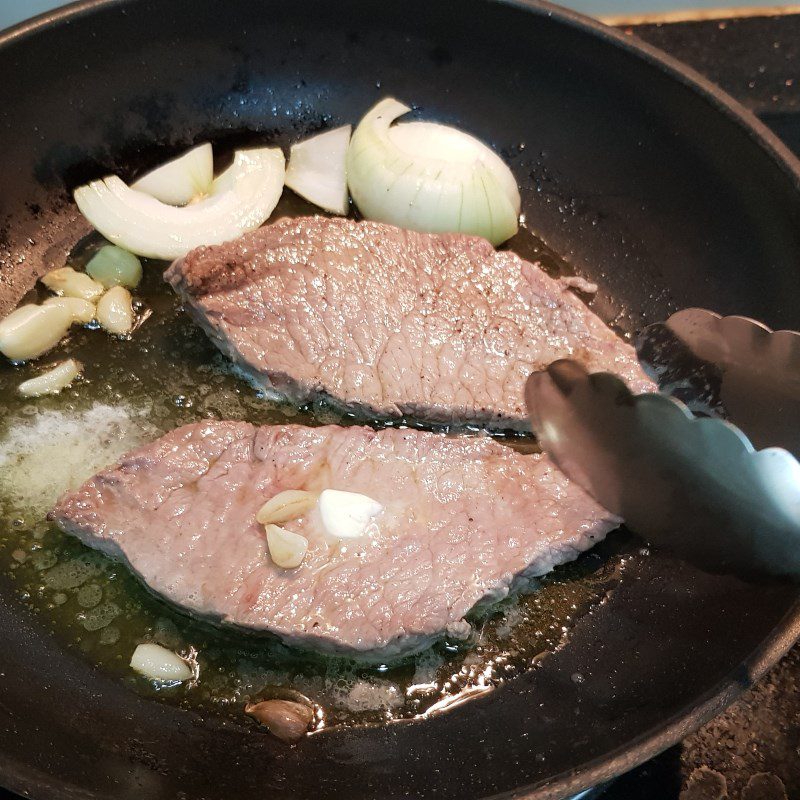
(694, 485)
(750, 372)
(717, 338)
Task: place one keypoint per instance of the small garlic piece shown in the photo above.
(52, 381)
(160, 664)
(346, 515)
(115, 310)
(32, 330)
(82, 310)
(286, 720)
(290, 504)
(286, 549)
(70, 283)
(113, 266)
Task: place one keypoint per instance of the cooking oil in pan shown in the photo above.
(169, 374)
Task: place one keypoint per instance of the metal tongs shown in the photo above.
(696, 485)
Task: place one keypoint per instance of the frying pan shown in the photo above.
(647, 178)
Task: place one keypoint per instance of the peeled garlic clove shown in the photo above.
(286, 720)
(286, 549)
(113, 266)
(346, 515)
(66, 281)
(115, 310)
(291, 504)
(52, 381)
(160, 664)
(32, 330)
(82, 310)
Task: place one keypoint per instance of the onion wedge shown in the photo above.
(430, 177)
(179, 181)
(317, 169)
(241, 199)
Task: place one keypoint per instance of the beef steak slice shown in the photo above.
(465, 520)
(441, 328)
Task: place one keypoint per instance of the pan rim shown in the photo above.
(674, 729)
(782, 637)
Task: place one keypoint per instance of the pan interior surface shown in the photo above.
(643, 183)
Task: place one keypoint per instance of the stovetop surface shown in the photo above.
(752, 751)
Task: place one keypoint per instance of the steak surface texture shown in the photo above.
(392, 323)
(465, 520)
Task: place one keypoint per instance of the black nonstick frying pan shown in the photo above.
(645, 177)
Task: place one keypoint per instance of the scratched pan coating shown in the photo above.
(642, 176)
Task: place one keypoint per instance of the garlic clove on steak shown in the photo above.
(286, 720)
(287, 505)
(287, 549)
(346, 515)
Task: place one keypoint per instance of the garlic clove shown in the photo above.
(32, 330)
(115, 310)
(346, 515)
(287, 549)
(70, 283)
(113, 266)
(52, 381)
(285, 506)
(160, 664)
(286, 720)
(82, 310)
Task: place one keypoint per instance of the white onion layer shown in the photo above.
(241, 199)
(179, 181)
(430, 177)
(317, 169)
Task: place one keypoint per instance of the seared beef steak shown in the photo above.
(395, 323)
(465, 520)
